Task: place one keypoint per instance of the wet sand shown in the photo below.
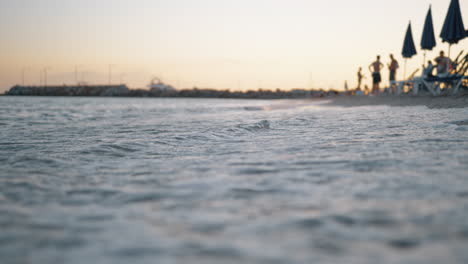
(437, 102)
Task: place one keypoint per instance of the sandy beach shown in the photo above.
(437, 102)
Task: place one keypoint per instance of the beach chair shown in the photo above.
(455, 79)
(433, 83)
(401, 84)
(425, 82)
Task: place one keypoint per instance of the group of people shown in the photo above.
(376, 68)
(443, 65)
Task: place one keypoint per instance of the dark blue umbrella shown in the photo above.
(409, 49)
(428, 41)
(453, 30)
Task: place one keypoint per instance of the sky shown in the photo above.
(222, 44)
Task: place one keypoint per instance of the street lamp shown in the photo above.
(76, 73)
(122, 75)
(45, 75)
(110, 73)
(23, 70)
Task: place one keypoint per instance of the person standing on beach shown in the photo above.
(375, 68)
(392, 67)
(360, 76)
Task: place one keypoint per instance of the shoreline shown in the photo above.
(329, 98)
(431, 102)
(124, 91)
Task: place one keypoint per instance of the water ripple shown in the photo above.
(121, 180)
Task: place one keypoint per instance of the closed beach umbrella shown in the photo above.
(428, 41)
(409, 49)
(453, 30)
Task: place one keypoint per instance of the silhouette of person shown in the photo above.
(443, 64)
(427, 70)
(375, 68)
(393, 67)
(360, 76)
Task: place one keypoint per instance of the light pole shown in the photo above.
(110, 73)
(121, 78)
(76, 73)
(311, 81)
(45, 75)
(40, 77)
(23, 70)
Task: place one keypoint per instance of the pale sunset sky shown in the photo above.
(235, 44)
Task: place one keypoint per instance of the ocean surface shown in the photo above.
(122, 180)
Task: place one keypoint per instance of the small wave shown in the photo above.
(142, 197)
(137, 252)
(460, 123)
(209, 228)
(253, 108)
(101, 193)
(344, 220)
(252, 164)
(24, 192)
(320, 162)
(257, 171)
(248, 192)
(45, 226)
(118, 147)
(308, 223)
(34, 161)
(113, 150)
(404, 243)
(330, 246)
(81, 197)
(463, 234)
(96, 217)
(213, 251)
(374, 165)
(395, 135)
(437, 140)
(377, 218)
(262, 125)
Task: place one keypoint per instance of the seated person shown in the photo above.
(427, 71)
(443, 65)
(359, 92)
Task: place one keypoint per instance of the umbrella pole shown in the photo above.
(424, 60)
(450, 45)
(404, 71)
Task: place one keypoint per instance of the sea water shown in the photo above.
(121, 180)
